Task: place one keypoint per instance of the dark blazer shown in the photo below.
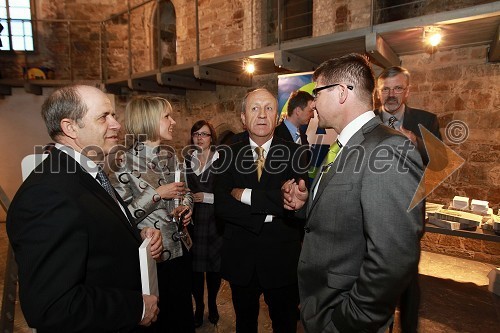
(77, 253)
(361, 248)
(412, 118)
(281, 131)
(250, 245)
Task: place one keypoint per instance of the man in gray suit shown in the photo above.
(362, 243)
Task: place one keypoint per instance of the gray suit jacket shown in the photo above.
(361, 246)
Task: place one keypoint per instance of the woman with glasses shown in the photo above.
(207, 236)
(149, 181)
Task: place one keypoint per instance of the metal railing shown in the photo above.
(149, 36)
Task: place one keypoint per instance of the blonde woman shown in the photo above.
(146, 180)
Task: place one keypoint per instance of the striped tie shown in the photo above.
(392, 120)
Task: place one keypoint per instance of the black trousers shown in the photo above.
(281, 302)
(213, 286)
(176, 305)
(408, 307)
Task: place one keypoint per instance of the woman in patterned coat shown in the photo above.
(149, 181)
(207, 236)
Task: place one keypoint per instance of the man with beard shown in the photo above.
(393, 91)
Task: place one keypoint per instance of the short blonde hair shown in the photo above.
(142, 117)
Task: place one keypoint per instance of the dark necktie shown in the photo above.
(260, 161)
(106, 184)
(392, 120)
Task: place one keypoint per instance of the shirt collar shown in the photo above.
(194, 157)
(266, 146)
(294, 130)
(86, 163)
(399, 116)
(354, 126)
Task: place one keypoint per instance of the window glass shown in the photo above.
(17, 34)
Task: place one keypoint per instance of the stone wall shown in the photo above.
(460, 85)
(341, 15)
(457, 85)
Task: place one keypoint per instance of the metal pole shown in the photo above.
(158, 35)
(10, 282)
(71, 76)
(129, 28)
(197, 34)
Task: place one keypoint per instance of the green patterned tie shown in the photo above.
(330, 156)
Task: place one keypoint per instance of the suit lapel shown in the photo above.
(244, 158)
(88, 181)
(354, 141)
(93, 186)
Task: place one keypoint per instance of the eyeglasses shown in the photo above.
(201, 134)
(397, 90)
(317, 90)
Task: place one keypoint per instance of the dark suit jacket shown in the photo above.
(361, 246)
(271, 250)
(414, 117)
(281, 131)
(77, 253)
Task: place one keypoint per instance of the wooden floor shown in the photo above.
(455, 298)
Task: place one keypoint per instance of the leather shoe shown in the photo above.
(213, 317)
(198, 318)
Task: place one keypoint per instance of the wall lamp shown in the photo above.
(248, 66)
(432, 36)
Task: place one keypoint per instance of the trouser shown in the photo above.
(176, 305)
(281, 302)
(213, 286)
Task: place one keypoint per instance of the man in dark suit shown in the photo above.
(73, 240)
(261, 244)
(299, 113)
(393, 90)
(393, 86)
(362, 243)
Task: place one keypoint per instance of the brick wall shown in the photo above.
(460, 85)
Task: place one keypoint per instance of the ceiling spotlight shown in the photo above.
(249, 66)
(432, 36)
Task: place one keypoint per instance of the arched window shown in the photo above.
(165, 45)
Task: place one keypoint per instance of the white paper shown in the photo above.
(149, 276)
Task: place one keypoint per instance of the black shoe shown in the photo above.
(213, 317)
(198, 318)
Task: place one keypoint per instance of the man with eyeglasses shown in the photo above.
(393, 91)
(362, 246)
